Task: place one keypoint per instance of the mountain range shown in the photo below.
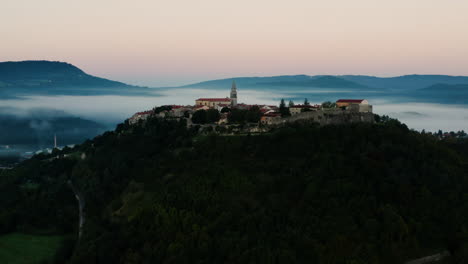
(400, 83)
(40, 75)
(60, 78)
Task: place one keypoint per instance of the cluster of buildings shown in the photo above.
(270, 113)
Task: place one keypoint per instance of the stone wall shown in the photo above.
(329, 117)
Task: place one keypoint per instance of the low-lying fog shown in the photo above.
(110, 110)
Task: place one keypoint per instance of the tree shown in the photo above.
(212, 116)
(162, 108)
(225, 110)
(328, 104)
(199, 117)
(253, 115)
(282, 104)
(283, 109)
(291, 103)
(237, 116)
(306, 102)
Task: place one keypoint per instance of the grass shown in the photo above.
(19, 248)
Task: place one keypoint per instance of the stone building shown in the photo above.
(140, 116)
(270, 118)
(215, 102)
(297, 109)
(212, 102)
(355, 105)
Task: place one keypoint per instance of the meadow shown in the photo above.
(17, 248)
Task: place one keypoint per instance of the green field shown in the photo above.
(19, 248)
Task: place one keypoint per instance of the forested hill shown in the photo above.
(49, 74)
(160, 193)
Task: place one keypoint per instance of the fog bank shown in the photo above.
(111, 109)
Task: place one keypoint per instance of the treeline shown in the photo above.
(234, 116)
(161, 193)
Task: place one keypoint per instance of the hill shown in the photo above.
(444, 93)
(319, 81)
(446, 88)
(40, 132)
(400, 83)
(249, 81)
(34, 130)
(42, 74)
(406, 82)
(27, 78)
(161, 193)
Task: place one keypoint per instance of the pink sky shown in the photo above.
(162, 42)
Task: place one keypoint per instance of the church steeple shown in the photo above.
(233, 93)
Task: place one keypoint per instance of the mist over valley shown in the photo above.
(39, 99)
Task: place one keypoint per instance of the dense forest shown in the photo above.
(158, 192)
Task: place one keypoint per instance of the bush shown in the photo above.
(199, 117)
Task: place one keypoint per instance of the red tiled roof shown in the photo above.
(145, 112)
(214, 99)
(176, 106)
(272, 114)
(350, 101)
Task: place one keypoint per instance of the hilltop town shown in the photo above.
(222, 113)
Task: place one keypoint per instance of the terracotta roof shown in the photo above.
(145, 112)
(350, 101)
(272, 114)
(214, 99)
(176, 106)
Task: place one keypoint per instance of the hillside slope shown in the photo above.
(159, 193)
(406, 82)
(319, 81)
(446, 88)
(41, 74)
(48, 78)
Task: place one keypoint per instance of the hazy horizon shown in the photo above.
(155, 43)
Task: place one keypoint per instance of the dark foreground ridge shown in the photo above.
(157, 192)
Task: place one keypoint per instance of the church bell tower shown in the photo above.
(233, 93)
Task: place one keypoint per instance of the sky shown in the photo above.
(162, 42)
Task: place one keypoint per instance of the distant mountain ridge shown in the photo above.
(320, 81)
(46, 74)
(446, 88)
(399, 83)
(406, 82)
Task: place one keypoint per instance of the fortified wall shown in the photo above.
(322, 117)
(328, 117)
